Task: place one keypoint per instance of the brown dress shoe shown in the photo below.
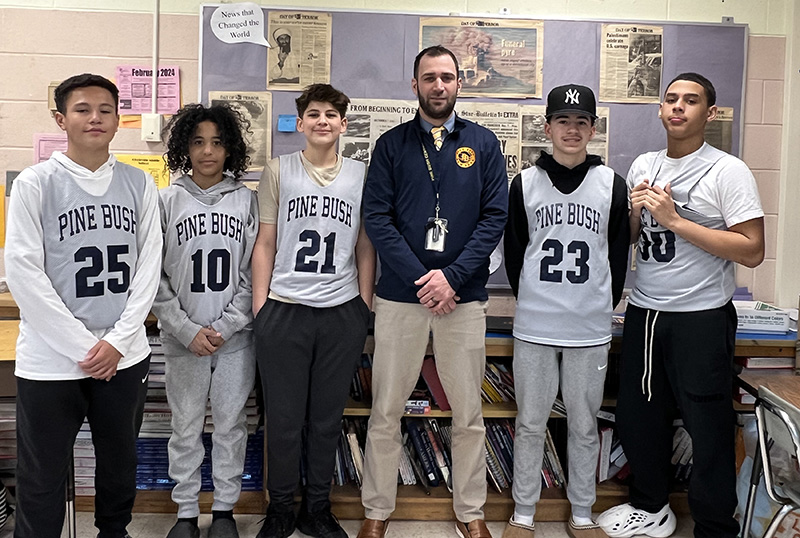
(372, 528)
(474, 529)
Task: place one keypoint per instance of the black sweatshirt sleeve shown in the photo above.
(516, 237)
(618, 238)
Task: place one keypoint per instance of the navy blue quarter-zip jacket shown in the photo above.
(399, 198)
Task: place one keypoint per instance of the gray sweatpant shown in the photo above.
(226, 379)
(537, 371)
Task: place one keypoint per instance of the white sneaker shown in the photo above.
(625, 520)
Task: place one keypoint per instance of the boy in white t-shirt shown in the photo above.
(695, 211)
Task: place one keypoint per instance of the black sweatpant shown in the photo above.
(49, 415)
(306, 358)
(690, 376)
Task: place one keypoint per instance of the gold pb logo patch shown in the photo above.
(465, 157)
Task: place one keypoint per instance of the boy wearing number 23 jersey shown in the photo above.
(83, 252)
(694, 212)
(566, 248)
(313, 279)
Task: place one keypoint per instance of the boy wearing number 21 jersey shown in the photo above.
(209, 221)
(566, 248)
(82, 254)
(313, 279)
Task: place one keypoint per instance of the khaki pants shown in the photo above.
(401, 337)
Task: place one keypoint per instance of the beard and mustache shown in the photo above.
(435, 111)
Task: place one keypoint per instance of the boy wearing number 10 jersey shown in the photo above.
(566, 248)
(313, 279)
(209, 221)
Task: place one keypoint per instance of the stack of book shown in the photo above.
(611, 460)
(498, 384)
(361, 390)
(84, 461)
(8, 441)
(426, 458)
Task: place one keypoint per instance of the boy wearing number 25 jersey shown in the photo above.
(209, 221)
(313, 279)
(566, 247)
(83, 252)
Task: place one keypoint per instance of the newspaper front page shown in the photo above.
(503, 121)
(368, 119)
(630, 63)
(300, 52)
(496, 57)
(719, 133)
(533, 139)
(256, 107)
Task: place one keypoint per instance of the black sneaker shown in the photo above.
(278, 524)
(184, 529)
(320, 524)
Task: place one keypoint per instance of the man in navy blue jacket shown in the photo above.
(435, 204)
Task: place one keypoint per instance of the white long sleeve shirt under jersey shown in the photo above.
(52, 340)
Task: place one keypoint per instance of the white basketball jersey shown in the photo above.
(90, 242)
(564, 294)
(204, 245)
(315, 262)
(671, 273)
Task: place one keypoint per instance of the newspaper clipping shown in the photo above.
(719, 133)
(256, 107)
(368, 119)
(503, 121)
(496, 57)
(630, 63)
(300, 49)
(519, 128)
(533, 139)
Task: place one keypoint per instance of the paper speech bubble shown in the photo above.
(239, 23)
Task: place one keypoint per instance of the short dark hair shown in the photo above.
(322, 93)
(434, 51)
(85, 80)
(708, 87)
(232, 127)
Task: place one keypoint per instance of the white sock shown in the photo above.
(523, 520)
(581, 521)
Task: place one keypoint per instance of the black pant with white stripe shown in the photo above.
(680, 364)
(49, 415)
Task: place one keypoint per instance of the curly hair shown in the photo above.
(232, 127)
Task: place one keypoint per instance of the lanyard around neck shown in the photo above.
(433, 179)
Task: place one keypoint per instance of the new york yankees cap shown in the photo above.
(571, 99)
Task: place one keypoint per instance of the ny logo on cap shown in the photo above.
(573, 97)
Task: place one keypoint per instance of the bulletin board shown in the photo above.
(372, 56)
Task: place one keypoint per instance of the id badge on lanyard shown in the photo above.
(436, 227)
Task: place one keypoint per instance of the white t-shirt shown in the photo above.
(710, 187)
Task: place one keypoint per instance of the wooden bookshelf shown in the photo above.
(412, 502)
